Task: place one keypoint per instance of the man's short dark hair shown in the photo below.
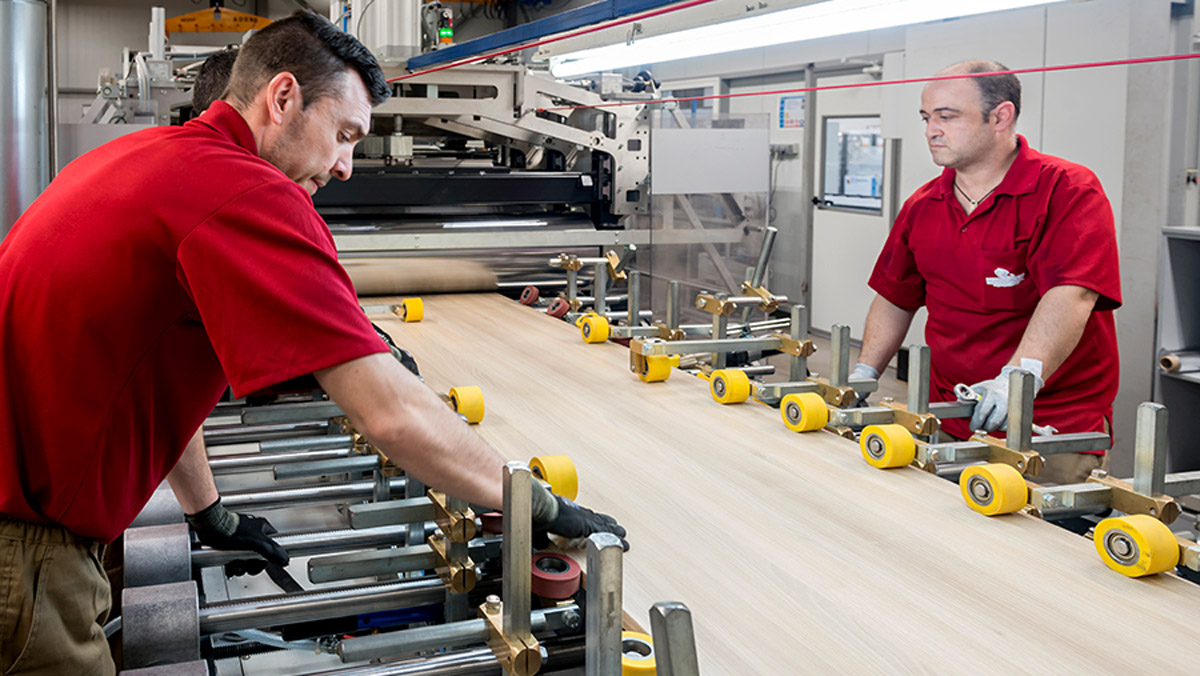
(994, 89)
(309, 47)
(212, 79)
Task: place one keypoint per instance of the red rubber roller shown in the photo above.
(558, 308)
(529, 295)
(555, 576)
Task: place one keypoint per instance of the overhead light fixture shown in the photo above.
(818, 20)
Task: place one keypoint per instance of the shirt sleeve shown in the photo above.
(895, 276)
(1078, 243)
(263, 274)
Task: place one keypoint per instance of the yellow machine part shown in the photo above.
(637, 654)
(729, 386)
(411, 310)
(1136, 545)
(993, 489)
(214, 20)
(658, 367)
(468, 401)
(593, 328)
(559, 472)
(804, 412)
(887, 446)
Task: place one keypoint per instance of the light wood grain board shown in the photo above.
(794, 555)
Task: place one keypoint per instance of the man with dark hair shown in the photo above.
(212, 79)
(1014, 254)
(184, 260)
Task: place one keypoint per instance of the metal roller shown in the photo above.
(255, 462)
(303, 544)
(351, 491)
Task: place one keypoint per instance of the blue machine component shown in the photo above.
(606, 10)
(391, 618)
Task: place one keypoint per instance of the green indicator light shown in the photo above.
(446, 32)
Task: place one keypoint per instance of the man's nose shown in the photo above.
(343, 166)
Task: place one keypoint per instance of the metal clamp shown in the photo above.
(508, 621)
(456, 521)
(455, 568)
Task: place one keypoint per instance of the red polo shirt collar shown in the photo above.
(228, 122)
(1021, 178)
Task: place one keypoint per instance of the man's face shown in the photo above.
(316, 143)
(954, 126)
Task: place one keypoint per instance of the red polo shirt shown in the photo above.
(153, 271)
(1047, 224)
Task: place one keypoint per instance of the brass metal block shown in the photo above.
(796, 348)
(614, 263)
(768, 303)
(518, 656)
(667, 333)
(1125, 499)
(458, 576)
(1029, 463)
(713, 305)
(841, 397)
(457, 526)
(924, 424)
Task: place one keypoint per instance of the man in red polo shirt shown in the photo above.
(157, 270)
(1014, 254)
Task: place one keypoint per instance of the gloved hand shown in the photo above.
(991, 411)
(220, 528)
(868, 372)
(554, 514)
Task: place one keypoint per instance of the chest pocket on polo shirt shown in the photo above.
(1004, 280)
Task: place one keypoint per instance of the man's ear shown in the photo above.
(283, 97)
(1004, 116)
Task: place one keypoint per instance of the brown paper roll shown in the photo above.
(401, 276)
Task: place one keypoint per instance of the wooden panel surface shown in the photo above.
(794, 555)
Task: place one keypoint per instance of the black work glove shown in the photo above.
(220, 528)
(398, 352)
(554, 514)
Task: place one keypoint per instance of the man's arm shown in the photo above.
(192, 478)
(414, 428)
(1054, 330)
(886, 326)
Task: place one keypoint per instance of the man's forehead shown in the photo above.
(959, 93)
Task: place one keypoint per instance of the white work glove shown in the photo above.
(991, 410)
(866, 372)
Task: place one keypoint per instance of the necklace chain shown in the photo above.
(967, 197)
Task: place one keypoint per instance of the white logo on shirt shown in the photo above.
(1004, 279)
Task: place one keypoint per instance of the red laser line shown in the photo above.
(539, 43)
(855, 85)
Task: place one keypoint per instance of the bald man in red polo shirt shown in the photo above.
(1014, 254)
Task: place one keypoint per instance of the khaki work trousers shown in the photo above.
(1069, 468)
(54, 600)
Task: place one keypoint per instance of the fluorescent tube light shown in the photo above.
(818, 20)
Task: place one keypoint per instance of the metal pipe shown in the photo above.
(307, 443)
(798, 326)
(839, 355)
(674, 639)
(303, 544)
(518, 560)
(351, 465)
(1019, 435)
(350, 491)
(673, 307)
(437, 637)
(23, 115)
(764, 255)
(52, 77)
(253, 462)
(241, 434)
(635, 298)
(1150, 449)
(604, 604)
(291, 608)
(918, 379)
(474, 662)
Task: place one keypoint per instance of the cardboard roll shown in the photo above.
(529, 295)
(555, 576)
(637, 654)
(804, 412)
(993, 489)
(729, 386)
(559, 472)
(1136, 545)
(887, 446)
(468, 402)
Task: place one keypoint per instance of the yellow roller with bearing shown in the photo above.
(729, 386)
(657, 368)
(887, 446)
(593, 328)
(993, 489)
(804, 412)
(1136, 545)
(559, 472)
(468, 402)
(637, 654)
(410, 310)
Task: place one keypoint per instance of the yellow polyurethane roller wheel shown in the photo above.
(412, 310)
(656, 368)
(887, 446)
(1136, 545)
(593, 328)
(993, 489)
(637, 654)
(729, 386)
(559, 472)
(468, 401)
(804, 412)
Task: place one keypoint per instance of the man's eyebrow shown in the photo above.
(356, 130)
(943, 109)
